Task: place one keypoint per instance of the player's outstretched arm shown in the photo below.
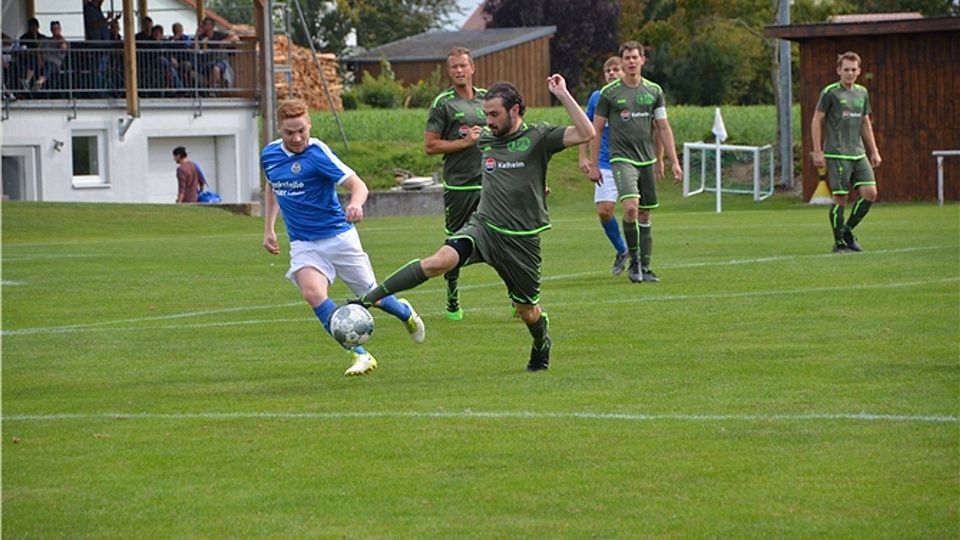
(582, 129)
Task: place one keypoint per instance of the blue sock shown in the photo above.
(324, 311)
(391, 305)
(612, 228)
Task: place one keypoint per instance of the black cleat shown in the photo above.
(840, 247)
(620, 263)
(851, 241)
(540, 358)
(633, 272)
(649, 275)
(360, 302)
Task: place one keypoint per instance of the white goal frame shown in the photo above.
(759, 192)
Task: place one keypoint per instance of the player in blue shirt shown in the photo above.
(605, 191)
(302, 178)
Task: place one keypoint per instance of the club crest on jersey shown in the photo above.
(296, 168)
(489, 164)
(625, 115)
(481, 114)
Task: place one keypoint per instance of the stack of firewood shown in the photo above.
(307, 84)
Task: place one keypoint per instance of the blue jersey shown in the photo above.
(306, 188)
(604, 158)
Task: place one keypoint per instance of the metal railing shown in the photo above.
(95, 70)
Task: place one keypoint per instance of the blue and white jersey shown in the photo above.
(306, 188)
(604, 159)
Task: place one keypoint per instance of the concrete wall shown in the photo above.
(401, 203)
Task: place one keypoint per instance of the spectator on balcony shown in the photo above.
(146, 30)
(9, 77)
(214, 65)
(54, 53)
(161, 61)
(183, 58)
(99, 27)
(31, 57)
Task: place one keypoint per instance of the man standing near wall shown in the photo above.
(455, 122)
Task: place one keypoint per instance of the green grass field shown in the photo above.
(162, 380)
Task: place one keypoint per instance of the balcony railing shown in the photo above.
(95, 70)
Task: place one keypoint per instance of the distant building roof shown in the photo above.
(477, 20)
(909, 25)
(433, 46)
(874, 17)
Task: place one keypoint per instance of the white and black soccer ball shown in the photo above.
(351, 325)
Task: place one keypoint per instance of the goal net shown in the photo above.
(746, 170)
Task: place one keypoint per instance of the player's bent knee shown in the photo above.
(529, 313)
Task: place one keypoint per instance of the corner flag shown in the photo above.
(718, 128)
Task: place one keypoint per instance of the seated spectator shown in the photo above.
(54, 53)
(9, 75)
(214, 65)
(165, 63)
(146, 30)
(30, 58)
(183, 57)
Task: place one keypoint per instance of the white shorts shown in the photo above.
(606, 191)
(340, 255)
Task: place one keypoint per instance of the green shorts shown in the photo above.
(515, 258)
(458, 206)
(636, 182)
(845, 175)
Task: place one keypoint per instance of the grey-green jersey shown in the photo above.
(515, 178)
(451, 117)
(629, 112)
(844, 110)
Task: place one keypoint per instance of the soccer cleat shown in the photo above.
(455, 315)
(414, 324)
(362, 364)
(851, 241)
(540, 358)
(359, 302)
(620, 263)
(649, 275)
(633, 272)
(840, 247)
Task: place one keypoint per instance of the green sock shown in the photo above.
(860, 209)
(631, 234)
(836, 222)
(539, 329)
(646, 244)
(406, 277)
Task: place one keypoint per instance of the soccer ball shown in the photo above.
(351, 325)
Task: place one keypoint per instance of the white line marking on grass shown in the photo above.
(101, 326)
(630, 417)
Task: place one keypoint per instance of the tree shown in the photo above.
(378, 21)
(586, 33)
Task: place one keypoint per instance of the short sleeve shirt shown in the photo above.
(515, 178)
(305, 185)
(629, 112)
(604, 158)
(452, 117)
(844, 111)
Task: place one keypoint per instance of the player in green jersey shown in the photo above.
(505, 230)
(453, 126)
(635, 111)
(845, 108)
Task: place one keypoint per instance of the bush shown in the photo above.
(420, 95)
(382, 91)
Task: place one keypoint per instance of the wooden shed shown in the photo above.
(518, 55)
(911, 68)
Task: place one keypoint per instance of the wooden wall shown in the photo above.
(527, 66)
(914, 85)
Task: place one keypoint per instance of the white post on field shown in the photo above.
(720, 131)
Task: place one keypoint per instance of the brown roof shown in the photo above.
(477, 20)
(897, 26)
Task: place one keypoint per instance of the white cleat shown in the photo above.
(362, 364)
(414, 324)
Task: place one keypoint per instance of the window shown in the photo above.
(89, 158)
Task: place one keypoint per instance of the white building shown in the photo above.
(75, 141)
